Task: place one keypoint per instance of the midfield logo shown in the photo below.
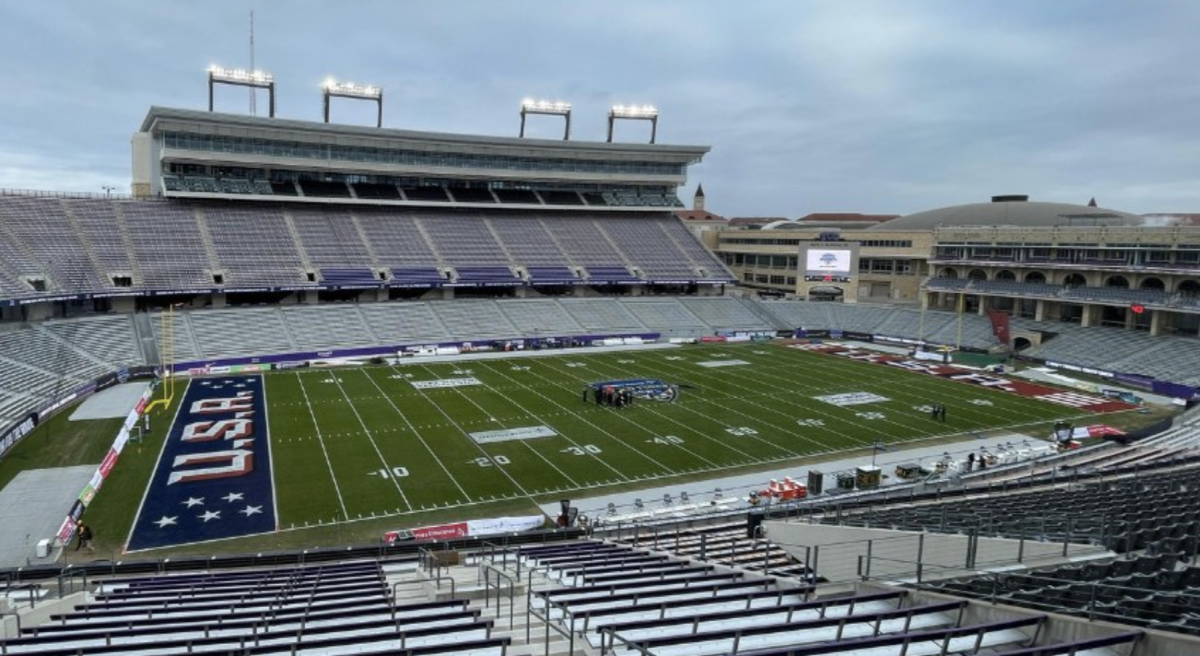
(213, 478)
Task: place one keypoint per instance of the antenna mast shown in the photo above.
(253, 109)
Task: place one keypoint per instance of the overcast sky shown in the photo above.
(830, 106)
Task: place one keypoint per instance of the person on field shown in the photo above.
(84, 535)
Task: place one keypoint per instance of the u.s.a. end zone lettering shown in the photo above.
(237, 432)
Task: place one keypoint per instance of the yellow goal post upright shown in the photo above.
(166, 358)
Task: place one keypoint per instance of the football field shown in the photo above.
(350, 443)
(356, 443)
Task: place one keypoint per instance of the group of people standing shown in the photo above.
(938, 413)
(610, 396)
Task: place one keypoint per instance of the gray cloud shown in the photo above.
(855, 105)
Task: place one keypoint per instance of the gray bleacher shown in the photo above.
(724, 313)
(98, 224)
(645, 242)
(582, 241)
(41, 225)
(253, 246)
(625, 600)
(602, 315)
(528, 241)
(539, 317)
(38, 361)
(404, 323)
(471, 319)
(240, 332)
(330, 238)
(463, 240)
(183, 345)
(106, 339)
(342, 608)
(167, 245)
(396, 239)
(316, 328)
(665, 315)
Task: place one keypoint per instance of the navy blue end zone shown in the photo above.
(213, 477)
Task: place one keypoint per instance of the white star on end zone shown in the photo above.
(209, 514)
(193, 501)
(251, 510)
(233, 496)
(166, 521)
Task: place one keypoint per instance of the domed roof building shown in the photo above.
(1013, 211)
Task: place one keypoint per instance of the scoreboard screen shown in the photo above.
(827, 264)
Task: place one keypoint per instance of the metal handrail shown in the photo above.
(512, 584)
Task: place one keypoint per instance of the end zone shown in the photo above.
(213, 477)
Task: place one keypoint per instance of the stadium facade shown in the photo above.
(230, 209)
(1042, 261)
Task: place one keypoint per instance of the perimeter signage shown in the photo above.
(213, 478)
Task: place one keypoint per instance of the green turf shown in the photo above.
(355, 443)
(332, 431)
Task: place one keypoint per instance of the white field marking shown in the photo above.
(607, 484)
(524, 443)
(598, 429)
(366, 431)
(262, 386)
(646, 406)
(321, 441)
(900, 393)
(161, 450)
(964, 392)
(764, 371)
(412, 428)
(455, 425)
(786, 431)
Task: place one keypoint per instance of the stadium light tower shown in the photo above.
(332, 88)
(547, 107)
(241, 77)
(636, 113)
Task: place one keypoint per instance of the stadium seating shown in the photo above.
(326, 609)
(39, 362)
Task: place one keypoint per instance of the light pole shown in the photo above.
(108, 190)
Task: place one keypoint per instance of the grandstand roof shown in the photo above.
(1013, 212)
(168, 118)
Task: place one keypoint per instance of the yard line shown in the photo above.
(755, 438)
(647, 407)
(417, 434)
(395, 479)
(458, 427)
(321, 441)
(581, 418)
(524, 443)
(900, 390)
(762, 373)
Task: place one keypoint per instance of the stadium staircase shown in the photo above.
(210, 249)
(305, 263)
(127, 244)
(362, 238)
(88, 251)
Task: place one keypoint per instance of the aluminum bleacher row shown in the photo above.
(58, 245)
(624, 600)
(330, 609)
(723, 544)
